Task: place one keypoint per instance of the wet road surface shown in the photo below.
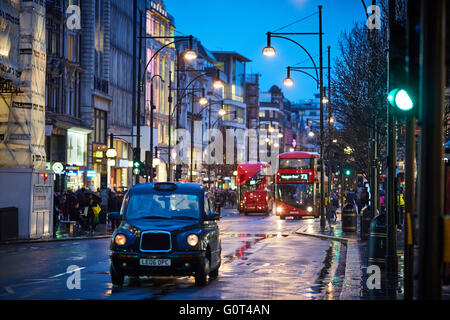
(262, 258)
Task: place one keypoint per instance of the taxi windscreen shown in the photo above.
(157, 206)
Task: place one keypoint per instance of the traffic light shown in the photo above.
(348, 172)
(401, 100)
(137, 167)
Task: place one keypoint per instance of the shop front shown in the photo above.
(75, 170)
(116, 171)
(99, 166)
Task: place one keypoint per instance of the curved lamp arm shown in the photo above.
(304, 72)
(298, 44)
(164, 46)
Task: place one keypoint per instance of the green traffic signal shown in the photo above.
(137, 167)
(400, 99)
(348, 172)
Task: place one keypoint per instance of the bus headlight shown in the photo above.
(309, 209)
(120, 239)
(279, 210)
(192, 240)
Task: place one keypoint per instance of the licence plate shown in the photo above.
(250, 207)
(290, 218)
(155, 262)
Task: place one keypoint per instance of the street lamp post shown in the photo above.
(270, 51)
(152, 107)
(217, 83)
(189, 55)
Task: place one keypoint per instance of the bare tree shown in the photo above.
(354, 102)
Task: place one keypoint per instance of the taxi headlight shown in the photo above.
(309, 209)
(279, 209)
(192, 240)
(120, 239)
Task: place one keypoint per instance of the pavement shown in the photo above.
(355, 280)
(101, 231)
(356, 260)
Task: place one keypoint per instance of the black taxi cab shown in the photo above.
(166, 229)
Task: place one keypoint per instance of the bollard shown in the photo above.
(364, 218)
(349, 218)
(377, 241)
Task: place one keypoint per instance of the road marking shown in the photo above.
(61, 274)
(9, 290)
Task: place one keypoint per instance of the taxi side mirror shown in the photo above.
(213, 216)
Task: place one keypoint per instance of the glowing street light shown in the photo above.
(269, 51)
(222, 112)
(288, 82)
(331, 120)
(190, 55)
(218, 84)
(203, 101)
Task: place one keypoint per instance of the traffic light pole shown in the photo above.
(410, 148)
(322, 173)
(431, 172)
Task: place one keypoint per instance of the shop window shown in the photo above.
(100, 126)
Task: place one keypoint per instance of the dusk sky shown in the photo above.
(241, 26)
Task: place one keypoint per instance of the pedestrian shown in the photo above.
(56, 210)
(334, 206)
(363, 199)
(401, 209)
(93, 212)
(233, 199)
(219, 201)
(114, 205)
(382, 207)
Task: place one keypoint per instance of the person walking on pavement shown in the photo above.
(334, 204)
(219, 201)
(93, 212)
(113, 206)
(382, 207)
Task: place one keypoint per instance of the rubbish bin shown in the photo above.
(364, 218)
(377, 241)
(349, 218)
(9, 224)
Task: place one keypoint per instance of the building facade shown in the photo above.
(66, 136)
(234, 120)
(160, 72)
(272, 118)
(107, 92)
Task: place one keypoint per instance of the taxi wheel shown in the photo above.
(214, 274)
(202, 274)
(116, 277)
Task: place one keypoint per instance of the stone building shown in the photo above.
(108, 87)
(66, 136)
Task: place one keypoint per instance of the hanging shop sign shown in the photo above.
(91, 173)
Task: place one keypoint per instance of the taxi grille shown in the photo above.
(156, 241)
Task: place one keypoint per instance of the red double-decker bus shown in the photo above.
(297, 185)
(254, 188)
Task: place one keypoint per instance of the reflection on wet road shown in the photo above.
(262, 258)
